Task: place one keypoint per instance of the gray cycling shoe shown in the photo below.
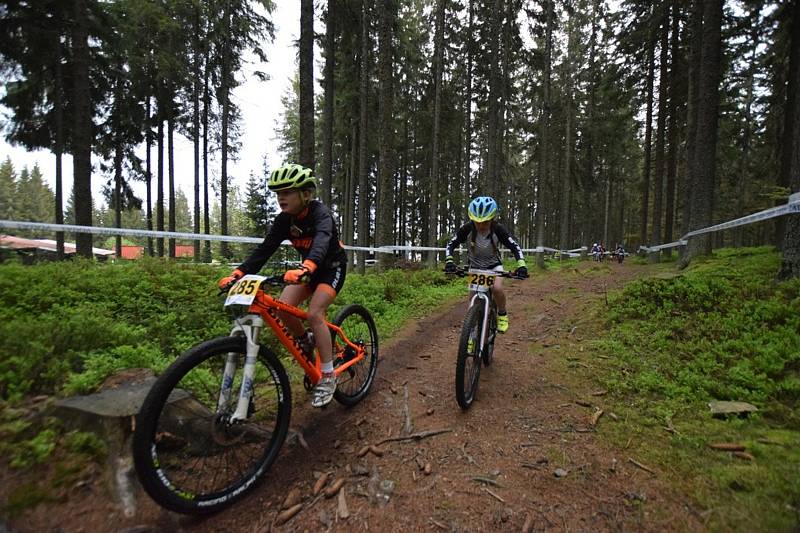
(323, 392)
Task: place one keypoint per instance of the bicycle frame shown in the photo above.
(265, 309)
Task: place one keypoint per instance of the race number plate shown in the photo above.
(480, 280)
(244, 291)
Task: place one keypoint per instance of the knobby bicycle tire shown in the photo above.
(355, 382)
(179, 439)
(468, 363)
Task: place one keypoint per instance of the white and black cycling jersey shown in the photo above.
(483, 250)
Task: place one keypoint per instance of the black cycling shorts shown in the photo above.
(332, 276)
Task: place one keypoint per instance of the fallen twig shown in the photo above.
(416, 436)
(408, 427)
(438, 524)
(596, 416)
(498, 498)
(640, 465)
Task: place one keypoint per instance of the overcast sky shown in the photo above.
(259, 102)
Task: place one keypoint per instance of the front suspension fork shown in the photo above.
(486, 308)
(249, 327)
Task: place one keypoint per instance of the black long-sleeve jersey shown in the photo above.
(313, 233)
(483, 251)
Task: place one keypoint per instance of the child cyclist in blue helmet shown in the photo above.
(485, 234)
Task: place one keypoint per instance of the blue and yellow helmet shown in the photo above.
(482, 208)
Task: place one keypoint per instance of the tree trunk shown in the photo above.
(363, 178)
(350, 192)
(744, 159)
(467, 172)
(544, 132)
(695, 45)
(590, 224)
(148, 175)
(502, 185)
(658, 176)
(706, 136)
(118, 195)
(648, 130)
(58, 107)
(566, 182)
(224, 99)
(160, 180)
(607, 208)
(306, 103)
(385, 208)
(404, 188)
(327, 131)
(171, 169)
(790, 267)
(433, 202)
(672, 129)
(196, 130)
(491, 175)
(81, 128)
(206, 106)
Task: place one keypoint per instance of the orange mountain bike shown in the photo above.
(214, 421)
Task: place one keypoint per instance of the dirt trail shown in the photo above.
(498, 466)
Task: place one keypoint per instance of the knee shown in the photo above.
(316, 316)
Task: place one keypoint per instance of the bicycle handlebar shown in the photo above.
(462, 271)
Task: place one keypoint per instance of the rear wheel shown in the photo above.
(355, 381)
(468, 364)
(189, 456)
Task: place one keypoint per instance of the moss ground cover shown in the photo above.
(722, 330)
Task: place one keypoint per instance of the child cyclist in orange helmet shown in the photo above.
(309, 225)
(485, 233)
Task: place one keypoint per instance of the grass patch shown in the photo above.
(25, 497)
(722, 330)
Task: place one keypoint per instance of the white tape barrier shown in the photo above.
(71, 228)
(791, 207)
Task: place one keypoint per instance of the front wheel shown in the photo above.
(189, 455)
(468, 363)
(354, 382)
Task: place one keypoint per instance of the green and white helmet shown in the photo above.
(291, 176)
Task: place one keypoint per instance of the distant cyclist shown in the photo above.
(485, 234)
(594, 251)
(619, 252)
